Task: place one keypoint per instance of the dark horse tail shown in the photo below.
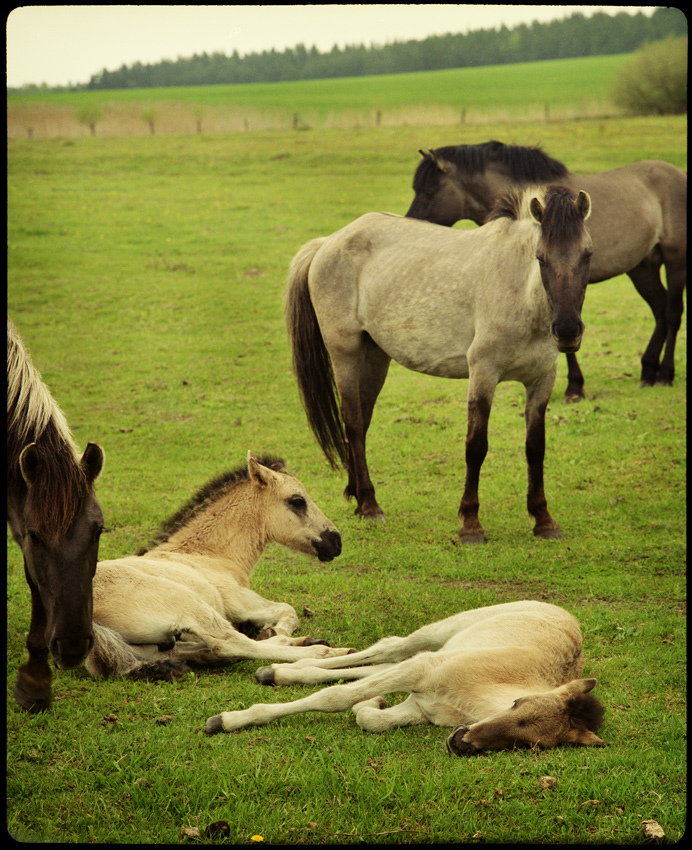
(311, 361)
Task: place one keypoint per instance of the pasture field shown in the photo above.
(569, 87)
(146, 276)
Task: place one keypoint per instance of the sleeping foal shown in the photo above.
(504, 676)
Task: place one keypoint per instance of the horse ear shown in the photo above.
(30, 463)
(92, 461)
(536, 210)
(257, 473)
(583, 204)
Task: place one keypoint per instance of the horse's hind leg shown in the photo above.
(647, 281)
(360, 375)
(479, 404)
(676, 278)
(537, 396)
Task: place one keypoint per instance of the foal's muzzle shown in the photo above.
(328, 546)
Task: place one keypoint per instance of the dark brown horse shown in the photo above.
(55, 520)
(638, 224)
(494, 304)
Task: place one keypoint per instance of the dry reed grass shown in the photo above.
(43, 120)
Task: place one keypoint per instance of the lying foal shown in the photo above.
(505, 676)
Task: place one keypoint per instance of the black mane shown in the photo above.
(206, 495)
(524, 164)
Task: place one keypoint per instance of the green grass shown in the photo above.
(146, 276)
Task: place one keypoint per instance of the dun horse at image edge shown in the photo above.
(55, 520)
(505, 676)
(494, 304)
(639, 223)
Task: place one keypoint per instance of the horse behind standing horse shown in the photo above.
(494, 304)
(639, 223)
(55, 520)
(505, 676)
(187, 597)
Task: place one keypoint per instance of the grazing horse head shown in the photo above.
(564, 254)
(293, 519)
(58, 529)
(568, 714)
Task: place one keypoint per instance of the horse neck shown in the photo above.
(230, 528)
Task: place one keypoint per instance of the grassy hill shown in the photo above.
(559, 89)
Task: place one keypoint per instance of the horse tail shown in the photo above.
(113, 656)
(311, 361)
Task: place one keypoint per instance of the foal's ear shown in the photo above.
(30, 463)
(92, 461)
(257, 473)
(583, 204)
(536, 210)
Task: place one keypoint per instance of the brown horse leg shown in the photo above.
(575, 380)
(676, 274)
(357, 404)
(32, 690)
(537, 396)
(476, 449)
(647, 281)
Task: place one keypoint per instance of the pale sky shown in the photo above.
(59, 45)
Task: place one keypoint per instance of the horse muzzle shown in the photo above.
(68, 653)
(328, 546)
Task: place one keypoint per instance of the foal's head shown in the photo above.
(291, 517)
(568, 714)
(564, 255)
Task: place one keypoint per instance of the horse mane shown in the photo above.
(524, 164)
(560, 222)
(586, 710)
(211, 492)
(34, 417)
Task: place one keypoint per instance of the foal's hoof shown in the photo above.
(214, 725)
(265, 676)
(308, 641)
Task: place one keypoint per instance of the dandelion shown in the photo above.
(256, 838)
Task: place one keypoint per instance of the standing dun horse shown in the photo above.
(55, 520)
(506, 676)
(639, 223)
(187, 598)
(495, 304)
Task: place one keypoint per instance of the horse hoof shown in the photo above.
(646, 383)
(549, 534)
(308, 641)
(265, 676)
(573, 398)
(214, 725)
(33, 700)
(472, 537)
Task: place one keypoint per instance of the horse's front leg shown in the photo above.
(537, 396)
(32, 690)
(575, 380)
(476, 449)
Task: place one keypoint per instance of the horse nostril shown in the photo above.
(329, 546)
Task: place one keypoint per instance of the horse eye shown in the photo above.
(541, 260)
(34, 536)
(298, 503)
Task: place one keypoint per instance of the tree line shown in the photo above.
(577, 35)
